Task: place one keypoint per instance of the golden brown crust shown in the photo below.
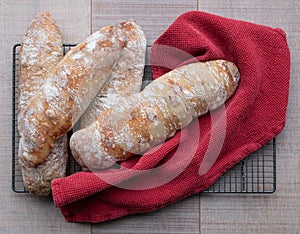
(136, 123)
(125, 78)
(69, 88)
(41, 50)
(37, 180)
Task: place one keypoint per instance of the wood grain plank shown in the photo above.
(181, 217)
(21, 213)
(73, 17)
(278, 212)
(154, 16)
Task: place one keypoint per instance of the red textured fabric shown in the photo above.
(251, 118)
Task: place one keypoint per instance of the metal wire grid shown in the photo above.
(254, 174)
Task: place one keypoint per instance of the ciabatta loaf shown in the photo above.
(136, 123)
(126, 77)
(68, 90)
(41, 49)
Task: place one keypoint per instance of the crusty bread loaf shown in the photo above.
(40, 51)
(136, 123)
(126, 77)
(68, 90)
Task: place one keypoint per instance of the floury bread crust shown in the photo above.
(40, 51)
(136, 123)
(68, 90)
(126, 77)
(37, 180)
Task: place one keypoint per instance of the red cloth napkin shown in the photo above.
(198, 155)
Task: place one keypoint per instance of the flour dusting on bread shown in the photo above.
(125, 78)
(138, 122)
(41, 50)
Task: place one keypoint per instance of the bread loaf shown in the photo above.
(68, 90)
(41, 49)
(136, 123)
(126, 77)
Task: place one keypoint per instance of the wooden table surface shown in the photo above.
(201, 213)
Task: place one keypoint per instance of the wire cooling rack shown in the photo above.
(254, 174)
